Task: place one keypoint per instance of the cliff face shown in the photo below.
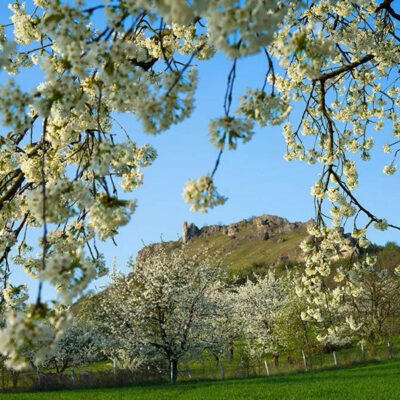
(264, 241)
(262, 227)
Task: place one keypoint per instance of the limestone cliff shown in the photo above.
(263, 227)
(266, 240)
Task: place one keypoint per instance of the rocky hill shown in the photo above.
(245, 246)
(252, 245)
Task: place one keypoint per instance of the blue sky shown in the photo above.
(255, 177)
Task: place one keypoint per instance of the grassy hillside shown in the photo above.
(259, 243)
(247, 246)
(377, 381)
(239, 252)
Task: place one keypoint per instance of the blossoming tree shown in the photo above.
(77, 345)
(372, 303)
(258, 310)
(297, 332)
(166, 309)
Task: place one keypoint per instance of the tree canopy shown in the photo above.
(334, 60)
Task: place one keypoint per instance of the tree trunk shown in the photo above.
(3, 371)
(14, 378)
(173, 371)
(309, 360)
(276, 360)
(230, 350)
(216, 360)
(64, 366)
(373, 349)
(390, 349)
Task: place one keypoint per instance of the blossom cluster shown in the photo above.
(202, 194)
(71, 273)
(27, 331)
(15, 295)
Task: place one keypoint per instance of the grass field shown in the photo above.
(379, 381)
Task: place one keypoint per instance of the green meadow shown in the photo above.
(379, 381)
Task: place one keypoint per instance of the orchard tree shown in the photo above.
(297, 332)
(335, 61)
(226, 326)
(77, 345)
(165, 310)
(372, 298)
(258, 309)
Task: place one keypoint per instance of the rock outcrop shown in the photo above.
(262, 227)
(189, 231)
(251, 240)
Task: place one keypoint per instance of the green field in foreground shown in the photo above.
(375, 382)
